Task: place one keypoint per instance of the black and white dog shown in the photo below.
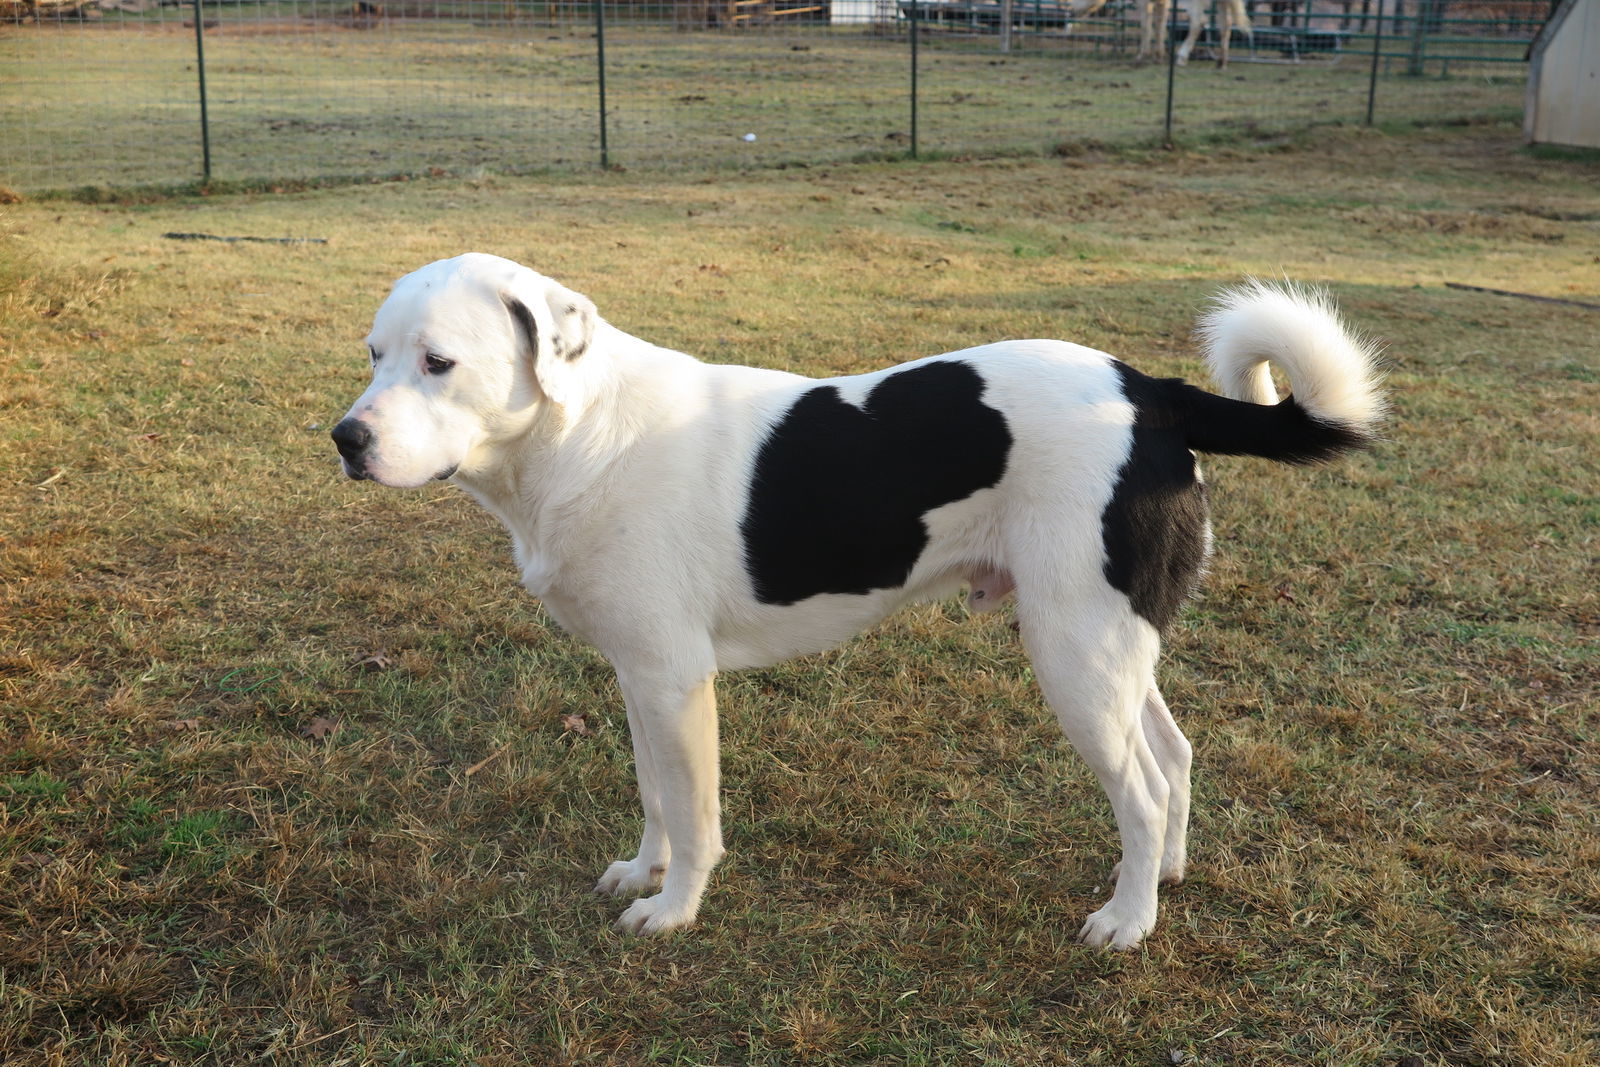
(688, 518)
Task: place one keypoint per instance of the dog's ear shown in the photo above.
(574, 316)
(556, 324)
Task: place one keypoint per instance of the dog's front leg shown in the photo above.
(644, 872)
(675, 744)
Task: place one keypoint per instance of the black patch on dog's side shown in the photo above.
(1154, 526)
(838, 492)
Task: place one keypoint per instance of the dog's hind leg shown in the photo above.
(1175, 756)
(1094, 663)
(678, 727)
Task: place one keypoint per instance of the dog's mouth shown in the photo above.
(356, 470)
(361, 474)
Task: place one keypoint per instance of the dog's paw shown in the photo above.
(654, 915)
(630, 878)
(1116, 927)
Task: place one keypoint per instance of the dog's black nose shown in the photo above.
(352, 437)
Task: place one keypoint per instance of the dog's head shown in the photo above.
(465, 352)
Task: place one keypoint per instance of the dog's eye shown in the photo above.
(373, 352)
(437, 364)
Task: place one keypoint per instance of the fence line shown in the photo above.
(96, 90)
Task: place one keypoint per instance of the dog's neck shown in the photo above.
(542, 484)
(523, 487)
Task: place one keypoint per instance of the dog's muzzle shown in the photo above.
(352, 438)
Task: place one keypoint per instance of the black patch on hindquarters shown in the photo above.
(838, 494)
(1154, 527)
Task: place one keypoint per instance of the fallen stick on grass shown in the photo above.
(481, 764)
(1523, 296)
(257, 240)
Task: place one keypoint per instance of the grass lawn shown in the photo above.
(292, 771)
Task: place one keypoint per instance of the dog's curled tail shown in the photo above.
(1334, 404)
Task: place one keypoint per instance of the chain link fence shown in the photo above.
(128, 93)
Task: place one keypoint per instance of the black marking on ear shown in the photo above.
(523, 318)
(1154, 527)
(571, 352)
(838, 493)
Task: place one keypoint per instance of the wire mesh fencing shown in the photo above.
(128, 93)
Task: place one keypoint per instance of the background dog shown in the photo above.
(687, 518)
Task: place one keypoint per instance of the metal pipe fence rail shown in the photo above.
(130, 93)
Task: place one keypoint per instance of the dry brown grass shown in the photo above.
(1391, 679)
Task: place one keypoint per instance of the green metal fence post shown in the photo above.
(200, 65)
(1419, 30)
(1171, 30)
(600, 61)
(916, 16)
(1377, 50)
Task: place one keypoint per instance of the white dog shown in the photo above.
(688, 518)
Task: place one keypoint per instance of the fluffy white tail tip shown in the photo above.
(1332, 373)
